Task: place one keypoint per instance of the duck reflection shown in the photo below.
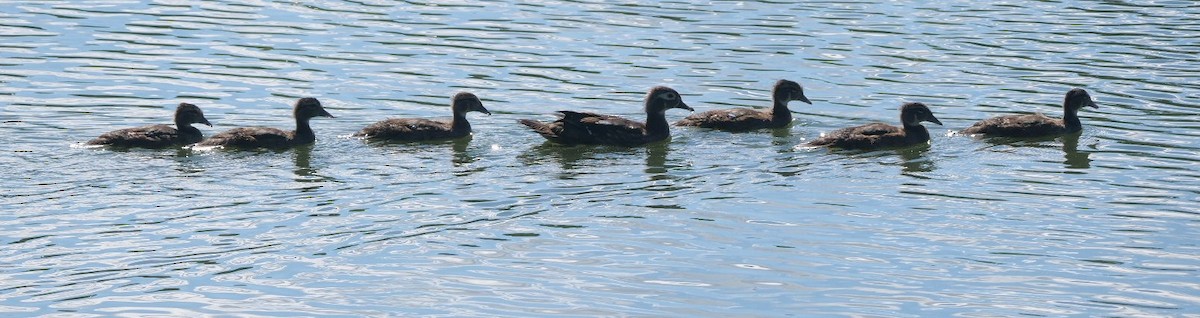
(461, 156)
(1074, 158)
(656, 157)
(566, 156)
(914, 159)
(302, 156)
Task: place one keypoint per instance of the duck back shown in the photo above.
(411, 129)
(874, 135)
(736, 119)
(1029, 125)
(252, 137)
(154, 136)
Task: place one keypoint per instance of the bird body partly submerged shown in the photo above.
(415, 129)
(266, 137)
(746, 119)
(597, 129)
(880, 135)
(159, 136)
(1036, 125)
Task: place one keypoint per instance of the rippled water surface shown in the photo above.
(709, 223)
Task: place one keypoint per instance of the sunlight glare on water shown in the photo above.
(709, 223)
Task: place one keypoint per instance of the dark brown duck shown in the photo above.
(1036, 125)
(746, 119)
(880, 135)
(159, 136)
(597, 129)
(415, 129)
(266, 137)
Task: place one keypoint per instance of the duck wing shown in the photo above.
(249, 137)
(1017, 126)
(155, 136)
(407, 129)
(865, 136)
(728, 119)
(595, 128)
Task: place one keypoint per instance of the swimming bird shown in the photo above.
(266, 137)
(746, 119)
(413, 129)
(880, 135)
(590, 128)
(159, 136)
(1036, 125)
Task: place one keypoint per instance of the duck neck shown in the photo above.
(185, 127)
(304, 133)
(916, 132)
(1071, 120)
(780, 112)
(656, 124)
(459, 123)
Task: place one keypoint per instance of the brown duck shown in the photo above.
(266, 137)
(1036, 125)
(159, 136)
(746, 119)
(414, 129)
(880, 135)
(596, 129)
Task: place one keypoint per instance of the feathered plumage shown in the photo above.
(1036, 125)
(266, 137)
(414, 129)
(745, 119)
(597, 129)
(159, 136)
(880, 135)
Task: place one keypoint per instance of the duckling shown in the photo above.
(414, 129)
(590, 128)
(1036, 125)
(159, 136)
(266, 137)
(746, 119)
(880, 135)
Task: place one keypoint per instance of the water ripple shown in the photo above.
(502, 224)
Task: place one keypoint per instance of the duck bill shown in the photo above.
(804, 99)
(934, 120)
(481, 109)
(205, 121)
(1092, 103)
(326, 113)
(682, 105)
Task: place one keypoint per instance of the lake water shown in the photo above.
(1104, 223)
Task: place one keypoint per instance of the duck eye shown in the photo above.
(669, 96)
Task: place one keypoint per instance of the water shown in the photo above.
(708, 224)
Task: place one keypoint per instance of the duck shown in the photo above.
(1036, 125)
(416, 129)
(880, 135)
(266, 137)
(596, 129)
(159, 136)
(747, 119)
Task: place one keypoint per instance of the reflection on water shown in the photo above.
(656, 157)
(1075, 159)
(505, 224)
(913, 159)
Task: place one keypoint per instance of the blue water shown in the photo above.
(503, 224)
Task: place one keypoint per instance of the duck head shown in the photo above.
(786, 91)
(1077, 98)
(912, 114)
(464, 102)
(309, 107)
(662, 98)
(190, 114)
